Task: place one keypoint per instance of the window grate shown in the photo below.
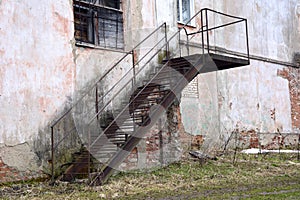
(99, 22)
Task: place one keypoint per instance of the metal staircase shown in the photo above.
(105, 125)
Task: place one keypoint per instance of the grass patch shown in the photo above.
(249, 177)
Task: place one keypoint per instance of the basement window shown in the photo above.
(185, 10)
(99, 22)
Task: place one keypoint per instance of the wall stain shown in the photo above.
(258, 7)
(273, 114)
(60, 23)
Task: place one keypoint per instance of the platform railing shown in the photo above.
(204, 36)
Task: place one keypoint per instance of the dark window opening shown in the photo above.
(99, 22)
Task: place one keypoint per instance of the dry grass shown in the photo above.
(250, 176)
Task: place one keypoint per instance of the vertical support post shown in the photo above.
(202, 32)
(207, 34)
(247, 41)
(52, 154)
(97, 103)
(179, 42)
(88, 152)
(187, 43)
(161, 155)
(133, 85)
(166, 41)
(133, 68)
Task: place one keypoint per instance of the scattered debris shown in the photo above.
(202, 156)
(293, 163)
(257, 151)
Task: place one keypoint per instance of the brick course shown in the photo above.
(10, 174)
(293, 76)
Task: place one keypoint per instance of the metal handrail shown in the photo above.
(106, 73)
(53, 146)
(136, 95)
(118, 92)
(128, 72)
(134, 98)
(165, 45)
(204, 11)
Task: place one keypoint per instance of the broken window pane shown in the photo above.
(99, 25)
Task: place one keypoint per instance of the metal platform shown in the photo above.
(228, 62)
(213, 62)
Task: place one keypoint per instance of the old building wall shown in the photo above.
(42, 73)
(36, 75)
(252, 98)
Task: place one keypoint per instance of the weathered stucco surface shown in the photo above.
(36, 71)
(252, 98)
(42, 73)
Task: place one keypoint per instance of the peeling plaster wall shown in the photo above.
(271, 26)
(42, 72)
(36, 73)
(251, 98)
(254, 98)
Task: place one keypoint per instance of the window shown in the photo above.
(185, 10)
(99, 22)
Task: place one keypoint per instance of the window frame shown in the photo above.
(192, 13)
(93, 29)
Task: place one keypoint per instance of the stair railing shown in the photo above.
(64, 131)
(178, 52)
(173, 46)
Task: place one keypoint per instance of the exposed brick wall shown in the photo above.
(162, 144)
(252, 139)
(9, 174)
(293, 76)
(191, 90)
(278, 140)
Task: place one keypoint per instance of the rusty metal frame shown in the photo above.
(205, 28)
(203, 12)
(54, 146)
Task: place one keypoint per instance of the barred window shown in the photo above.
(99, 22)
